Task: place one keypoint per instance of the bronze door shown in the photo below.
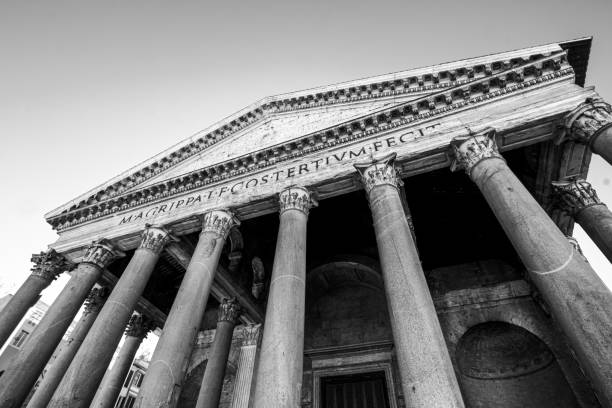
(367, 390)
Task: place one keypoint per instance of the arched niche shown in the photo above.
(345, 305)
(505, 366)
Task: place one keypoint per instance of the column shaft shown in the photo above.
(88, 366)
(577, 298)
(58, 368)
(162, 384)
(426, 372)
(212, 383)
(111, 387)
(602, 144)
(279, 375)
(47, 266)
(246, 366)
(597, 223)
(17, 307)
(25, 368)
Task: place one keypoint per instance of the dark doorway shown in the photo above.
(365, 390)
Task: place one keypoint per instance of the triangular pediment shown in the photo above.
(274, 126)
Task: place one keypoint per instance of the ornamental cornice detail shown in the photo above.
(379, 172)
(154, 238)
(574, 195)
(101, 253)
(95, 300)
(49, 265)
(296, 198)
(470, 150)
(587, 121)
(482, 89)
(219, 222)
(250, 334)
(139, 326)
(229, 311)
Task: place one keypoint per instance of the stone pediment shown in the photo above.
(285, 128)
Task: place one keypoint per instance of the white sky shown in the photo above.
(89, 89)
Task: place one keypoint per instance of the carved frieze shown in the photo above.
(250, 334)
(229, 310)
(472, 149)
(101, 253)
(482, 88)
(154, 238)
(139, 326)
(574, 195)
(49, 265)
(587, 121)
(379, 172)
(95, 300)
(296, 198)
(220, 222)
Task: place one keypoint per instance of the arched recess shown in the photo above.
(502, 365)
(345, 305)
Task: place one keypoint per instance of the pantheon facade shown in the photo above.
(402, 240)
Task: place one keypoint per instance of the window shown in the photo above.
(128, 378)
(129, 402)
(20, 338)
(137, 379)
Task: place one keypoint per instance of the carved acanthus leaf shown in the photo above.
(139, 326)
(379, 172)
(49, 265)
(101, 253)
(471, 149)
(587, 121)
(219, 222)
(96, 298)
(574, 195)
(296, 198)
(229, 310)
(154, 238)
(250, 334)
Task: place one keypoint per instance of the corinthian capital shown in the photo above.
(250, 334)
(587, 121)
(154, 238)
(472, 149)
(229, 310)
(96, 299)
(574, 195)
(139, 326)
(101, 253)
(379, 172)
(49, 265)
(220, 222)
(296, 198)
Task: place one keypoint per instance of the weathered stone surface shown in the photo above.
(279, 374)
(578, 299)
(162, 384)
(51, 379)
(426, 372)
(28, 364)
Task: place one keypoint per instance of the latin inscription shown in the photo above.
(359, 152)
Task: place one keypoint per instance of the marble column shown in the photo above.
(136, 331)
(79, 385)
(577, 298)
(578, 198)
(162, 384)
(591, 123)
(212, 383)
(56, 371)
(426, 372)
(47, 267)
(24, 369)
(246, 366)
(279, 374)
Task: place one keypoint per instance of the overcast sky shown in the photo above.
(89, 89)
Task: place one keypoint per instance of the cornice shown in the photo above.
(413, 82)
(486, 86)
